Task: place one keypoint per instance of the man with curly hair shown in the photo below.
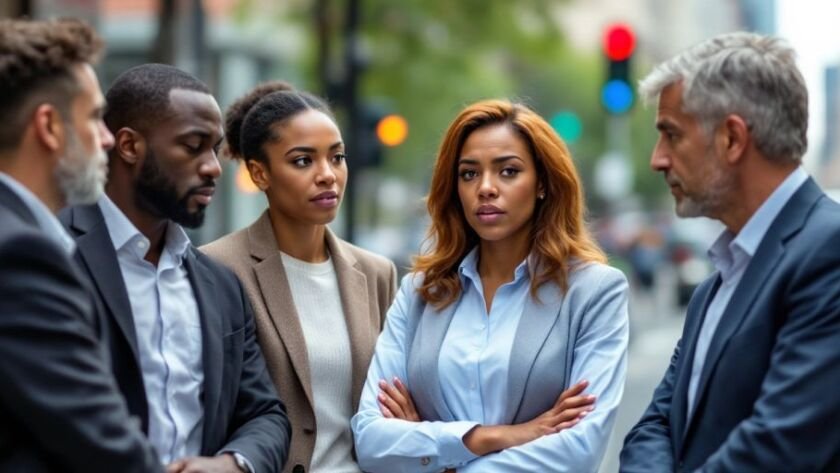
(60, 407)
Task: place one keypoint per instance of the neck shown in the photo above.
(754, 186)
(303, 241)
(152, 227)
(498, 259)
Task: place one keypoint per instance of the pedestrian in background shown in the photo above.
(319, 301)
(59, 404)
(749, 387)
(504, 323)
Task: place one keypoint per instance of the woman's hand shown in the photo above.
(395, 401)
(567, 411)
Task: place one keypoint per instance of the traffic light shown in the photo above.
(617, 92)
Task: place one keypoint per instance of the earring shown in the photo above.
(541, 196)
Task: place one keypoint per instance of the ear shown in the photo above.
(733, 138)
(259, 174)
(129, 145)
(49, 127)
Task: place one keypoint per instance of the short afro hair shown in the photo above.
(37, 61)
(141, 94)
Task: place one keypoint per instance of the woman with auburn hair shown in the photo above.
(501, 327)
(319, 302)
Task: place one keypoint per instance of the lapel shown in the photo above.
(431, 330)
(770, 251)
(538, 316)
(212, 332)
(679, 396)
(352, 285)
(274, 287)
(96, 250)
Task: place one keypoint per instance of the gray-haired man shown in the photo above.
(750, 384)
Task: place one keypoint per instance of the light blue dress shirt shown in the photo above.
(168, 328)
(731, 254)
(473, 372)
(46, 220)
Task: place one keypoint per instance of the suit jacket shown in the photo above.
(766, 399)
(60, 407)
(367, 283)
(241, 409)
(562, 338)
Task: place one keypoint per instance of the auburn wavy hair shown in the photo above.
(559, 235)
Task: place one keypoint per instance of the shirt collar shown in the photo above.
(46, 220)
(724, 251)
(468, 269)
(122, 232)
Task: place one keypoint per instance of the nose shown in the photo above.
(210, 166)
(326, 173)
(105, 137)
(487, 187)
(659, 158)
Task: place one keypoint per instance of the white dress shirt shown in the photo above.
(168, 327)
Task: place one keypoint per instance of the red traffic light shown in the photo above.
(619, 42)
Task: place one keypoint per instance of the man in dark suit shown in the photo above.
(60, 407)
(752, 383)
(184, 347)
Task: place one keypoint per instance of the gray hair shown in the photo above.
(752, 76)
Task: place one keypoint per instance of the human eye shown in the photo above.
(467, 174)
(301, 161)
(510, 171)
(339, 157)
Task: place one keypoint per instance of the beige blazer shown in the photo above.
(367, 283)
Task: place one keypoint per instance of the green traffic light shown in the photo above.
(567, 125)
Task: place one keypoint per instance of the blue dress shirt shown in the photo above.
(731, 254)
(47, 221)
(473, 368)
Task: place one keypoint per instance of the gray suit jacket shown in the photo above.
(367, 283)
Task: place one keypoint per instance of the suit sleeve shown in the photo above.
(56, 381)
(262, 430)
(647, 447)
(793, 423)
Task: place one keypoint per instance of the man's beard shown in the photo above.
(713, 198)
(158, 195)
(81, 176)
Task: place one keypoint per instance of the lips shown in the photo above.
(489, 213)
(204, 194)
(327, 200)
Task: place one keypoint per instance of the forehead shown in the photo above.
(670, 109)
(89, 92)
(494, 140)
(191, 111)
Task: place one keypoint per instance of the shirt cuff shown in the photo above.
(452, 451)
(248, 464)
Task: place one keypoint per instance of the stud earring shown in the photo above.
(541, 196)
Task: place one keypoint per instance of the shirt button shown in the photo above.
(425, 461)
(141, 244)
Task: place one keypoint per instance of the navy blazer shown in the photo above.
(60, 410)
(241, 409)
(766, 399)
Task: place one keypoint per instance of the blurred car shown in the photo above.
(689, 241)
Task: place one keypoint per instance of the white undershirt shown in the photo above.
(317, 299)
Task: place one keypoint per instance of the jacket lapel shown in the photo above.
(274, 287)
(769, 253)
(431, 330)
(679, 396)
(96, 250)
(211, 337)
(534, 327)
(352, 285)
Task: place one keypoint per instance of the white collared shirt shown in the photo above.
(168, 328)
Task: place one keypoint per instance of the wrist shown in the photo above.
(483, 439)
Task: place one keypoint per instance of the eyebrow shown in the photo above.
(309, 149)
(666, 125)
(497, 160)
